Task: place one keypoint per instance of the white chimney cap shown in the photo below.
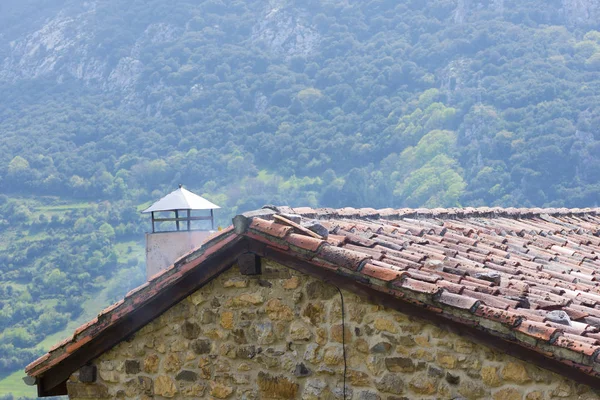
(181, 199)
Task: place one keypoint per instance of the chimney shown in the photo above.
(177, 228)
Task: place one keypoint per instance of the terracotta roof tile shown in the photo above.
(383, 274)
(336, 240)
(61, 343)
(400, 262)
(270, 242)
(458, 301)
(538, 330)
(377, 255)
(270, 228)
(305, 212)
(72, 347)
(423, 275)
(305, 242)
(491, 300)
(577, 345)
(85, 326)
(419, 286)
(343, 257)
(499, 315)
(358, 240)
(451, 287)
(37, 362)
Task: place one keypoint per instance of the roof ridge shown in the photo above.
(439, 213)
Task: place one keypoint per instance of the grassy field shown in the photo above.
(65, 207)
(13, 384)
(127, 250)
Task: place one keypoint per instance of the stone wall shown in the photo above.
(279, 336)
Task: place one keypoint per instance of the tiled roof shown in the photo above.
(530, 277)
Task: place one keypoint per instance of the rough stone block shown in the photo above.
(333, 355)
(508, 394)
(399, 364)
(87, 374)
(188, 376)
(299, 331)
(340, 335)
(201, 346)
(292, 283)
(207, 316)
(472, 390)
(278, 311)
(319, 290)
(246, 352)
(423, 385)
(390, 383)
(276, 387)
(359, 378)
(315, 312)
(226, 320)
(452, 379)
(489, 375)
(515, 372)
(447, 360)
(220, 391)
(301, 371)
(132, 366)
(190, 330)
(151, 364)
(87, 390)
(386, 325)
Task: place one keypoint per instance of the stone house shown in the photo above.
(361, 304)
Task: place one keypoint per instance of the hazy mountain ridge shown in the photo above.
(65, 44)
(66, 47)
(292, 62)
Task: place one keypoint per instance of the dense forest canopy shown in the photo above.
(380, 103)
(306, 102)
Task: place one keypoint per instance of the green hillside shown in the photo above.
(109, 105)
(61, 264)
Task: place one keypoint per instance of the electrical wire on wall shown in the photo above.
(343, 340)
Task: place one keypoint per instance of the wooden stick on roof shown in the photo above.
(298, 227)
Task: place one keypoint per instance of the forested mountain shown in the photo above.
(109, 104)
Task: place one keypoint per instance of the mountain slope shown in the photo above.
(301, 89)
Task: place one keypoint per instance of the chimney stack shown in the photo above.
(177, 228)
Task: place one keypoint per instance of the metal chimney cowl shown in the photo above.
(164, 247)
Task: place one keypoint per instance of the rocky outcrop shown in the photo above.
(67, 46)
(60, 48)
(285, 32)
(581, 12)
(570, 12)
